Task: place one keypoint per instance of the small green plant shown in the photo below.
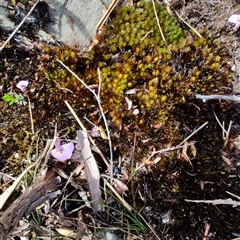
(36, 217)
(12, 98)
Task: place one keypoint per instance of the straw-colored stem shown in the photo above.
(30, 113)
(17, 28)
(158, 23)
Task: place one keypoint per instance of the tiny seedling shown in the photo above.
(11, 98)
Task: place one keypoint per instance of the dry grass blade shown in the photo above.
(91, 170)
(193, 29)
(227, 201)
(30, 113)
(97, 97)
(18, 27)
(6, 194)
(48, 152)
(225, 133)
(159, 26)
(82, 126)
(124, 203)
(107, 14)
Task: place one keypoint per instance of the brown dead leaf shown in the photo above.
(66, 232)
(120, 186)
(147, 162)
(91, 170)
(193, 150)
(102, 133)
(227, 161)
(129, 103)
(184, 153)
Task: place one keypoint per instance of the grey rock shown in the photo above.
(74, 21)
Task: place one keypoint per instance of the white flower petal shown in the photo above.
(22, 85)
(234, 18)
(64, 154)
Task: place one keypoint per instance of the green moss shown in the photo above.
(132, 55)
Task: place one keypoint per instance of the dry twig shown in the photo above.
(107, 14)
(205, 98)
(207, 228)
(158, 23)
(193, 29)
(18, 27)
(227, 201)
(40, 191)
(97, 96)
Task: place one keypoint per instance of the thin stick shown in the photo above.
(96, 149)
(194, 133)
(160, 151)
(207, 228)
(124, 203)
(30, 113)
(20, 24)
(48, 152)
(159, 26)
(104, 119)
(107, 14)
(100, 108)
(205, 98)
(227, 201)
(234, 195)
(149, 226)
(75, 115)
(193, 29)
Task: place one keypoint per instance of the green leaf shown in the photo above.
(9, 98)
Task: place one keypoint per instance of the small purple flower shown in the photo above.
(235, 18)
(62, 152)
(22, 85)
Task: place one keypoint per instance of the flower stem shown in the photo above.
(30, 113)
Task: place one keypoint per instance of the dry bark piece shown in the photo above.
(91, 170)
(40, 191)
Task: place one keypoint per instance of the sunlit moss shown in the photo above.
(131, 54)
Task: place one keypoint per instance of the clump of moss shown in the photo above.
(165, 75)
(133, 55)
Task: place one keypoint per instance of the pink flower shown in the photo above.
(62, 152)
(22, 85)
(235, 18)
